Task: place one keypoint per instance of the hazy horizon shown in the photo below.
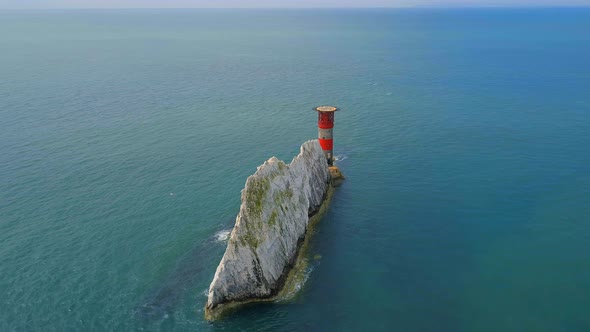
(114, 4)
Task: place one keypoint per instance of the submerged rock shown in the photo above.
(277, 201)
(336, 176)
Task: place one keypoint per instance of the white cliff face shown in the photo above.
(276, 204)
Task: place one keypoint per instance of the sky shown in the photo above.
(37, 4)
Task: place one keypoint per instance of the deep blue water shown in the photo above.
(126, 137)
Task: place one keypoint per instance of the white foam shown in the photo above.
(222, 235)
(340, 157)
(300, 284)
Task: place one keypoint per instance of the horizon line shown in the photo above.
(347, 7)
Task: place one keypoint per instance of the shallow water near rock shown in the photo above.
(463, 136)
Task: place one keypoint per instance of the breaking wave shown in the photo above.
(340, 157)
(222, 235)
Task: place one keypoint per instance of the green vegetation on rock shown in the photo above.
(255, 194)
(251, 240)
(282, 196)
(273, 218)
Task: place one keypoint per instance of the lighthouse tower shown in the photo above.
(325, 127)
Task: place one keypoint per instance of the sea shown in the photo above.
(126, 137)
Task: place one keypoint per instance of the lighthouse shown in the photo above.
(325, 128)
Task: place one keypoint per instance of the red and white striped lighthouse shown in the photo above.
(325, 127)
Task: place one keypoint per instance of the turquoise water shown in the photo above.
(126, 137)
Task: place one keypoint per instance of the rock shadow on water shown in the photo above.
(160, 302)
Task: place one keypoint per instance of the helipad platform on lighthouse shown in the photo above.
(326, 109)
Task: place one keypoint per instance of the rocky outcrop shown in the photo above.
(277, 202)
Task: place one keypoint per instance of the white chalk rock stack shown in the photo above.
(277, 201)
